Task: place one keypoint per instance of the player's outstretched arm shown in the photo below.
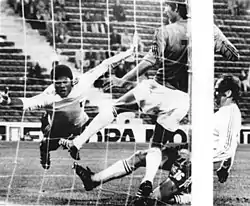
(5, 100)
(27, 103)
(223, 46)
(150, 59)
(108, 64)
(140, 69)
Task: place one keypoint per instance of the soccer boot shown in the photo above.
(143, 193)
(74, 152)
(85, 176)
(44, 155)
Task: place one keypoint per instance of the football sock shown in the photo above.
(119, 169)
(153, 161)
(104, 117)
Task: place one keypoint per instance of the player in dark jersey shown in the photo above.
(165, 96)
(175, 189)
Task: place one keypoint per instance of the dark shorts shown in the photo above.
(52, 136)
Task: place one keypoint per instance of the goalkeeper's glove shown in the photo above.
(222, 174)
(4, 97)
(223, 171)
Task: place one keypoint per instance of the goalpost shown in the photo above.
(202, 101)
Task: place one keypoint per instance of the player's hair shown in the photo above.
(61, 70)
(230, 82)
(181, 9)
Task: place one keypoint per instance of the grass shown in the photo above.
(31, 185)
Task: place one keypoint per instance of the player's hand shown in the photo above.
(222, 174)
(4, 97)
(112, 82)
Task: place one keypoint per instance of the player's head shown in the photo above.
(62, 77)
(227, 90)
(176, 9)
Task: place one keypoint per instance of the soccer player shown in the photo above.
(165, 95)
(177, 187)
(64, 102)
(227, 124)
(174, 189)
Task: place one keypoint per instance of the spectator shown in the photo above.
(98, 60)
(126, 40)
(32, 12)
(40, 6)
(91, 56)
(81, 62)
(17, 6)
(65, 17)
(245, 80)
(118, 12)
(62, 34)
(58, 16)
(60, 3)
(115, 40)
(35, 73)
(46, 16)
(102, 54)
(244, 7)
(233, 7)
(25, 8)
(39, 22)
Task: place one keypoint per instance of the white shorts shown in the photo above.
(169, 105)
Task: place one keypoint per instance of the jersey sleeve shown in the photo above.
(158, 46)
(229, 129)
(93, 74)
(39, 101)
(223, 46)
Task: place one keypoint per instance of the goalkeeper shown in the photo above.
(64, 102)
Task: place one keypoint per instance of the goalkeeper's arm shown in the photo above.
(223, 46)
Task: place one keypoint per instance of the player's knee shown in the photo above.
(108, 111)
(137, 160)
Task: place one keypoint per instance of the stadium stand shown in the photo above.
(12, 59)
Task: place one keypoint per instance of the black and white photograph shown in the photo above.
(124, 102)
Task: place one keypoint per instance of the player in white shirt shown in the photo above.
(64, 102)
(227, 124)
(177, 187)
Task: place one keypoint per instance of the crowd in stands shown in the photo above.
(56, 25)
(239, 7)
(245, 80)
(39, 14)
